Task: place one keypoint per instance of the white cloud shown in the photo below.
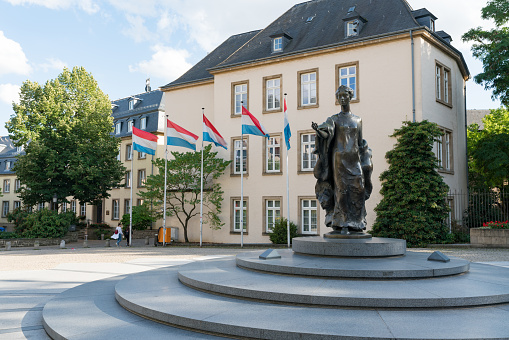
(88, 6)
(9, 93)
(166, 63)
(137, 30)
(53, 64)
(12, 57)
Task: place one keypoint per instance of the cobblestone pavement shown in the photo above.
(29, 278)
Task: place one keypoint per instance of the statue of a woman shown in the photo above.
(343, 169)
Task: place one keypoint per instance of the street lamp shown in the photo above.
(55, 200)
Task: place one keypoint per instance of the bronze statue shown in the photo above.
(343, 169)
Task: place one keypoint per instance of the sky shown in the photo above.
(124, 42)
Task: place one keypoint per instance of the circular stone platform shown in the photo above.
(412, 265)
(345, 247)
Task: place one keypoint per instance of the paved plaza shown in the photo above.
(30, 278)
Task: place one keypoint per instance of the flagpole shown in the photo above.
(201, 185)
(131, 198)
(165, 175)
(287, 189)
(241, 181)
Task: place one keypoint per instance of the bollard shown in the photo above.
(62, 244)
(8, 245)
(36, 245)
(107, 244)
(146, 241)
(85, 243)
(102, 237)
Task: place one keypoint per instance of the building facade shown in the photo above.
(399, 67)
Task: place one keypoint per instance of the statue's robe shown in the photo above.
(343, 172)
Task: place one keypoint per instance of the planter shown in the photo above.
(496, 238)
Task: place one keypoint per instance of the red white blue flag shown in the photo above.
(251, 125)
(287, 131)
(178, 136)
(210, 134)
(144, 141)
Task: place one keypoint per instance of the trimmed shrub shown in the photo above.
(43, 223)
(142, 218)
(279, 234)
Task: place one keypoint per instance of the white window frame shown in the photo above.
(129, 152)
(130, 125)
(17, 204)
(142, 177)
(308, 87)
(236, 215)
(443, 148)
(446, 85)
(273, 91)
(128, 179)
(73, 206)
(83, 209)
(132, 102)
(350, 25)
(64, 207)
(115, 209)
(273, 154)
(309, 211)
(17, 185)
(119, 153)
(306, 149)
(438, 75)
(277, 46)
(127, 206)
(40, 206)
(19, 149)
(143, 123)
(240, 97)
(5, 208)
(348, 77)
(142, 155)
(7, 185)
(8, 165)
(272, 213)
(239, 147)
(118, 128)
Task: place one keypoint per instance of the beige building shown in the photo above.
(399, 66)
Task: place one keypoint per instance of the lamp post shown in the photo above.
(55, 200)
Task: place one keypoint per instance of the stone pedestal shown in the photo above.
(349, 246)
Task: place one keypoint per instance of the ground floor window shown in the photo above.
(272, 213)
(309, 216)
(236, 214)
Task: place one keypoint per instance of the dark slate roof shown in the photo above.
(7, 153)
(423, 12)
(148, 108)
(327, 28)
(199, 71)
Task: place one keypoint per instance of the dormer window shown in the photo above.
(352, 28)
(133, 101)
(278, 44)
(280, 40)
(130, 125)
(432, 25)
(19, 149)
(131, 104)
(143, 123)
(118, 128)
(353, 23)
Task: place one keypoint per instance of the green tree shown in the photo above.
(66, 128)
(142, 217)
(183, 187)
(491, 47)
(414, 205)
(488, 151)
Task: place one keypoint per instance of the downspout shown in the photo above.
(413, 76)
(466, 138)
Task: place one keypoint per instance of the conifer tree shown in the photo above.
(414, 204)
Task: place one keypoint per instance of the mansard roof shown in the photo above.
(313, 25)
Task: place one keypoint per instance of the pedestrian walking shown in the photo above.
(118, 234)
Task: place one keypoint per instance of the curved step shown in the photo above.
(483, 286)
(166, 299)
(412, 265)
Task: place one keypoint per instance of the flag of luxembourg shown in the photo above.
(144, 141)
(179, 136)
(210, 134)
(251, 125)
(287, 131)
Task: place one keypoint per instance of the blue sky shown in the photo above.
(122, 42)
